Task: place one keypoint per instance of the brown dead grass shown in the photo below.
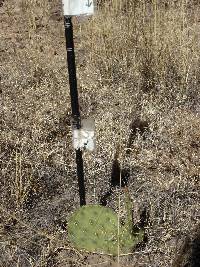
(137, 61)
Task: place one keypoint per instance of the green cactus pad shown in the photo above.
(94, 228)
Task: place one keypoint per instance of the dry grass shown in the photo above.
(138, 70)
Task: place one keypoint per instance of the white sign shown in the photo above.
(78, 7)
(84, 138)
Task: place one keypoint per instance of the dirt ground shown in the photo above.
(138, 74)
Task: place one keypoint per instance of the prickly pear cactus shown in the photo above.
(94, 228)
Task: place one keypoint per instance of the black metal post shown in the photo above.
(74, 102)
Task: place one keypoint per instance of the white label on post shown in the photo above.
(84, 138)
(78, 7)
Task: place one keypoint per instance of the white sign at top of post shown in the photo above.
(78, 7)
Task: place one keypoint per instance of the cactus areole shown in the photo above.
(95, 228)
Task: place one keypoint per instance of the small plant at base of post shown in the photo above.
(94, 228)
